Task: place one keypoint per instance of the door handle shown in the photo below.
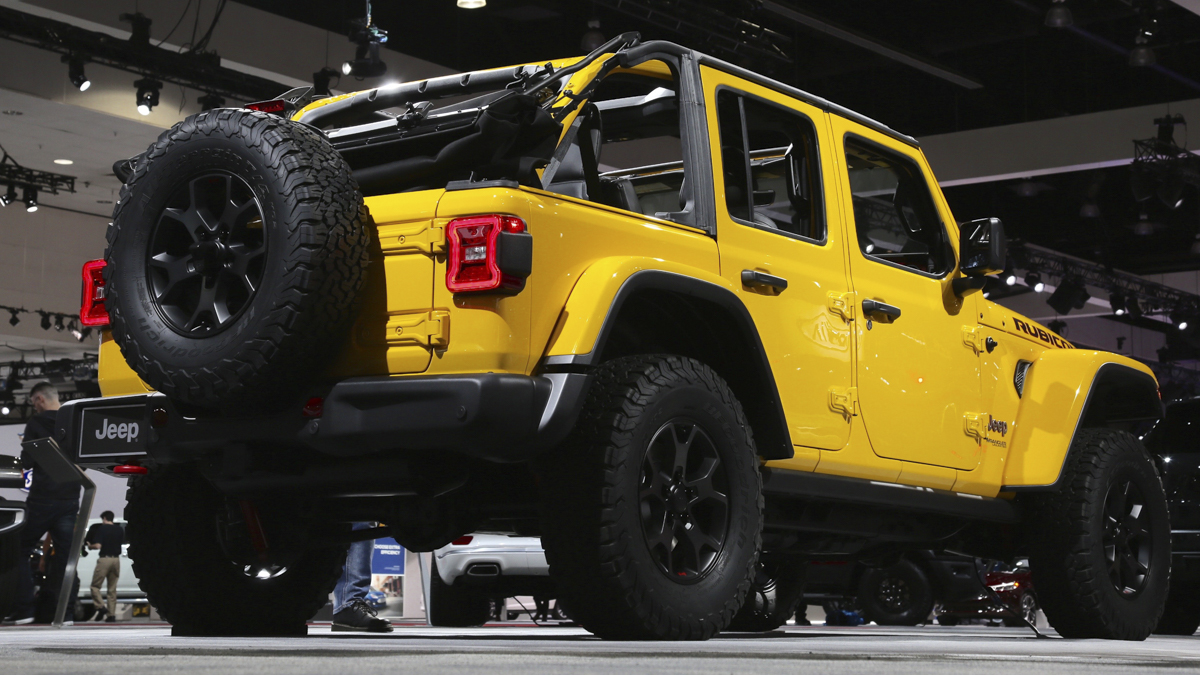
(753, 278)
(873, 309)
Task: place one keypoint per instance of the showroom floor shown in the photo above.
(964, 650)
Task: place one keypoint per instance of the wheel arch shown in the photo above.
(1119, 393)
(686, 312)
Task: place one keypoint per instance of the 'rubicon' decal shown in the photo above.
(1042, 334)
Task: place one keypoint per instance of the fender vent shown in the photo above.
(1019, 376)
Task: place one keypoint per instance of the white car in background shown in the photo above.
(476, 572)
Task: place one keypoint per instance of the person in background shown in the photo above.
(350, 609)
(107, 537)
(50, 507)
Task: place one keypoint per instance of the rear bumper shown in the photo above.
(492, 416)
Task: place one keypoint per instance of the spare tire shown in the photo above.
(235, 254)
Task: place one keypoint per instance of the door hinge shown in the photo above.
(427, 330)
(973, 338)
(842, 304)
(844, 400)
(975, 424)
(426, 238)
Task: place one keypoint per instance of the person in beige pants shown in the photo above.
(108, 538)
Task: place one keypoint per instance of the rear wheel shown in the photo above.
(456, 605)
(1101, 550)
(1027, 611)
(653, 509)
(898, 595)
(201, 570)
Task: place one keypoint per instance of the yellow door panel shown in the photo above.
(918, 378)
(785, 231)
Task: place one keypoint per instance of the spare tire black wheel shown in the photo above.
(235, 255)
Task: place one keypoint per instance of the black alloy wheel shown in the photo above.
(684, 501)
(207, 254)
(893, 594)
(1127, 541)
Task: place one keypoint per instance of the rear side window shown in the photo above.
(770, 167)
(894, 214)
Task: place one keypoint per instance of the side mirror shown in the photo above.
(983, 250)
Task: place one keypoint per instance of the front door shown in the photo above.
(918, 379)
(780, 242)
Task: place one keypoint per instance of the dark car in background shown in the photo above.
(921, 584)
(12, 520)
(1175, 444)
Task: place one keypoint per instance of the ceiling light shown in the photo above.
(593, 39)
(14, 319)
(1034, 281)
(75, 332)
(1070, 294)
(75, 71)
(64, 162)
(4, 410)
(1116, 300)
(147, 94)
(1142, 55)
(471, 4)
(1009, 276)
(9, 196)
(58, 322)
(31, 199)
(45, 321)
(1143, 227)
(1059, 15)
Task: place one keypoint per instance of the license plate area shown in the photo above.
(113, 431)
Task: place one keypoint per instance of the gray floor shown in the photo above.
(511, 650)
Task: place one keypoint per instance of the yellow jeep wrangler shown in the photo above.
(692, 326)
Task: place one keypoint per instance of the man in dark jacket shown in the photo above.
(50, 507)
(107, 538)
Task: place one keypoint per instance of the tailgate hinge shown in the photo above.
(973, 338)
(427, 238)
(428, 330)
(842, 304)
(844, 400)
(975, 424)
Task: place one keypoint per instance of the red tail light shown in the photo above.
(488, 254)
(462, 541)
(276, 107)
(92, 311)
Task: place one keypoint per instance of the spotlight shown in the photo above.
(593, 38)
(1059, 15)
(4, 409)
(75, 332)
(210, 101)
(1058, 326)
(321, 80)
(9, 196)
(1070, 294)
(367, 37)
(147, 94)
(1116, 300)
(1143, 227)
(58, 322)
(31, 199)
(14, 319)
(45, 321)
(75, 71)
(1141, 56)
(1010, 278)
(471, 4)
(1179, 318)
(1034, 281)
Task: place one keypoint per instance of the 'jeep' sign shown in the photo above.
(113, 431)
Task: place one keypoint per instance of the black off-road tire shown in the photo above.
(615, 581)
(456, 605)
(897, 595)
(186, 574)
(315, 231)
(1181, 615)
(1068, 561)
(774, 596)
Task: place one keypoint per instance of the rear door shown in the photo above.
(918, 379)
(780, 246)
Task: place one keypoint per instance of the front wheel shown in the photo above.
(653, 509)
(198, 566)
(1101, 548)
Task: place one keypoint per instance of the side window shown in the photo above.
(770, 166)
(894, 213)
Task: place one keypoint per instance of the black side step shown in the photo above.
(821, 487)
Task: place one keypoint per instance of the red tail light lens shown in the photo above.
(274, 107)
(315, 407)
(462, 541)
(488, 254)
(92, 311)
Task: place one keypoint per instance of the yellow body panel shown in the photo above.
(115, 375)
